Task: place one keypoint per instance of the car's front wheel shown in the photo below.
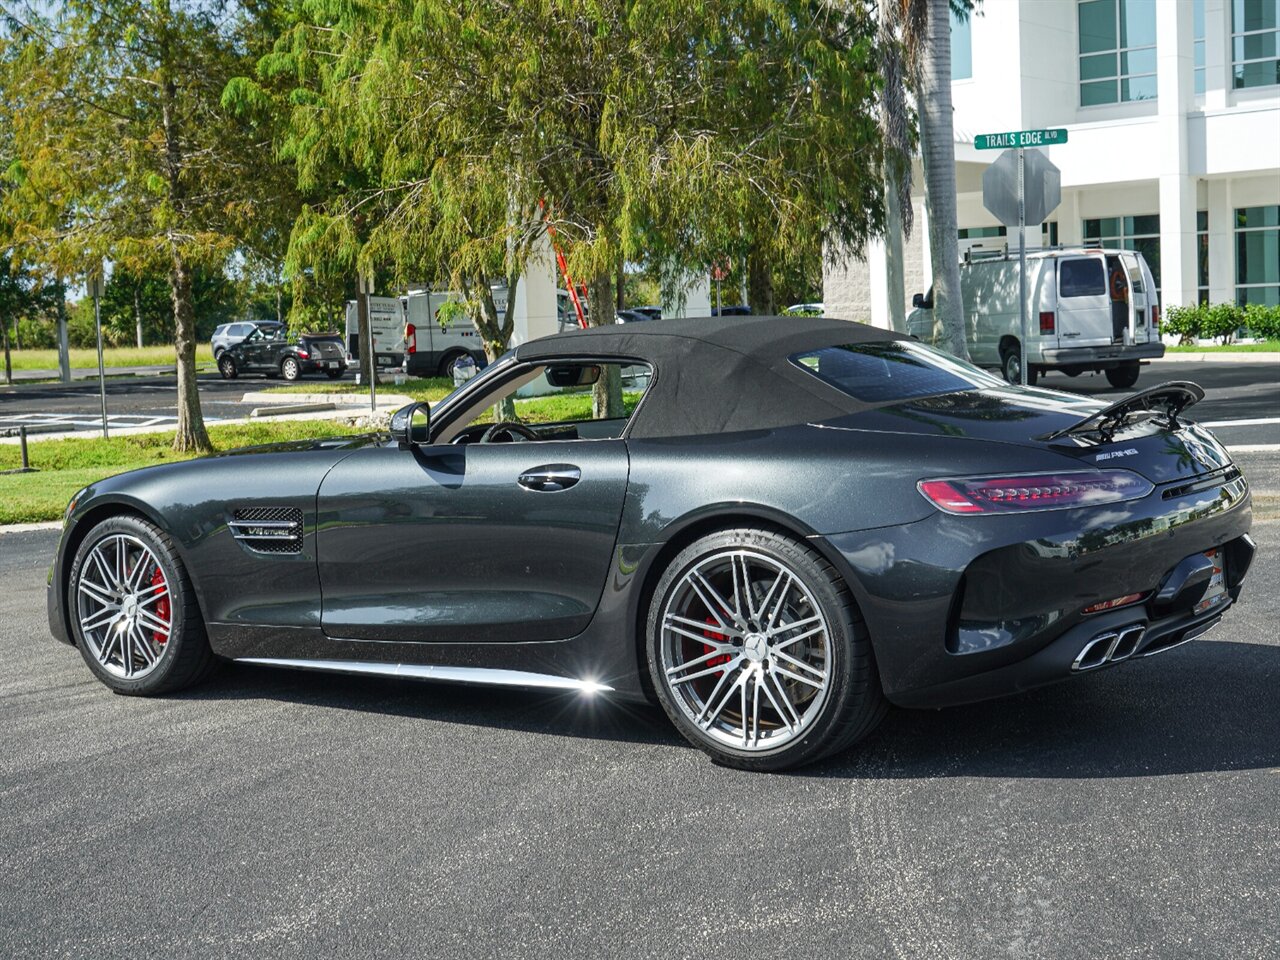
(227, 367)
(758, 654)
(290, 369)
(134, 612)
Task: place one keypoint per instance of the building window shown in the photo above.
(1049, 233)
(1141, 233)
(1197, 17)
(1258, 255)
(961, 46)
(1117, 51)
(1255, 43)
(1202, 256)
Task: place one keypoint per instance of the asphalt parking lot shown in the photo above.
(1132, 813)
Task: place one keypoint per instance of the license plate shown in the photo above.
(1217, 591)
(330, 364)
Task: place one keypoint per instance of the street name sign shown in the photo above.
(1013, 139)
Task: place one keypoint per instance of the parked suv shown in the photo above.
(229, 334)
(272, 353)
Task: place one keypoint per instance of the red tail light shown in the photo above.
(1124, 601)
(410, 338)
(1155, 317)
(1046, 321)
(1037, 491)
(303, 355)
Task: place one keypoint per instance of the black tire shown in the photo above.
(853, 701)
(333, 374)
(290, 368)
(1124, 376)
(186, 657)
(1010, 359)
(227, 367)
(448, 362)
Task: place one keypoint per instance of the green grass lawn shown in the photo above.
(111, 357)
(64, 466)
(1268, 346)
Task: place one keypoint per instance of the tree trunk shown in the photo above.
(279, 304)
(192, 435)
(496, 335)
(606, 395)
(621, 301)
(137, 310)
(8, 363)
(893, 255)
(938, 153)
(760, 285)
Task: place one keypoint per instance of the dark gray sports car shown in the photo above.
(786, 524)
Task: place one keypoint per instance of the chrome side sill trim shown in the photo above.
(414, 671)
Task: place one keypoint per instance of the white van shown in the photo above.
(1087, 310)
(432, 350)
(386, 322)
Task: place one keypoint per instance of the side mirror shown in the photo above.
(411, 425)
(917, 300)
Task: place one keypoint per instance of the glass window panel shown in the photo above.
(1258, 256)
(877, 372)
(1092, 94)
(1255, 15)
(1138, 88)
(1197, 19)
(1202, 220)
(1097, 67)
(1147, 224)
(1202, 260)
(1137, 23)
(1258, 216)
(1138, 61)
(1097, 19)
(961, 47)
(1268, 295)
(1103, 227)
(1149, 247)
(1081, 278)
(1199, 81)
(1262, 73)
(1199, 53)
(1255, 46)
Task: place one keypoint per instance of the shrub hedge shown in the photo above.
(1222, 321)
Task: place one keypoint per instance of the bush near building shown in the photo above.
(1222, 321)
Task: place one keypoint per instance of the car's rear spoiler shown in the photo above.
(1167, 399)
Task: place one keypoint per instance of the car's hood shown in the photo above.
(1026, 417)
(352, 442)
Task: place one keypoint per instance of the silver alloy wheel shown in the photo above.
(745, 650)
(290, 370)
(123, 603)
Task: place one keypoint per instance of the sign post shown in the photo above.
(364, 285)
(97, 285)
(1021, 187)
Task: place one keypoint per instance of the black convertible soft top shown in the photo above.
(719, 374)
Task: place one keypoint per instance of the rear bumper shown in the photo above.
(963, 608)
(1105, 356)
(321, 365)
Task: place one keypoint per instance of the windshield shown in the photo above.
(885, 372)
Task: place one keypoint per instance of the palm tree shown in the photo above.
(919, 31)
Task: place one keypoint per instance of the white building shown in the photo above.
(1173, 115)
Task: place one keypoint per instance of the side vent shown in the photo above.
(268, 529)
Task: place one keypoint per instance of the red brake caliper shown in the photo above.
(162, 606)
(719, 638)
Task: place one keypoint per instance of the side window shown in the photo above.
(554, 402)
(1081, 278)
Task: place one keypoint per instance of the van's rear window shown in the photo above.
(1081, 278)
(885, 372)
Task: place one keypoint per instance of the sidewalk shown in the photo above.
(1224, 356)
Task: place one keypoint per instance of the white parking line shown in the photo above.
(1254, 422)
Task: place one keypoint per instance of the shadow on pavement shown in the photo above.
(1208, 706)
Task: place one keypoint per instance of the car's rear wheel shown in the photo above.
(449, 362)
(290, 369)
(758, 654)
(133, 611)
(333, 374)
(227, 367)
(1124, 376)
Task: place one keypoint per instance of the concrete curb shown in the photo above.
(28, 527)
(1215, 357)
(344, 399)
(284, 411)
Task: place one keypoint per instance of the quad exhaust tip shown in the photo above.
(1110, 647)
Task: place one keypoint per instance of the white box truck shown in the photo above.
(1087, 310)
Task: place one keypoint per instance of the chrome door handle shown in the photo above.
(549, 478)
